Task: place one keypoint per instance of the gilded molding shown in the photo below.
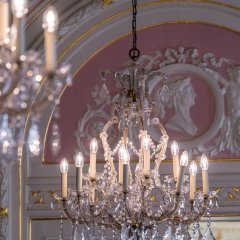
(3, 212)
(40, 198)
(106, 3)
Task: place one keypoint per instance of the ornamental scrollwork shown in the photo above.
(194, 79)
(85, 10)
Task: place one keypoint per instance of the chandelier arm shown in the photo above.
(168, 213)
(162, 129)
(114, 221)
(73, 220)
(114, 120)
(190, 220)
(176, 205)
(92, 216)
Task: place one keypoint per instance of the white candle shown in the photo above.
(146, 153)
(126, 159)
(93, 151)
(193, 173)
(64, 170)
(204, 165)
(146, 170)
(19, 9)
(180, 180)
(19, 43)
(183, 164)
(120, 164)
(175, 152)
(120, 171)
(79, 165)
(4, 19)
(50, 25)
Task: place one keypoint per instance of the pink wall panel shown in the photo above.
(206, 38)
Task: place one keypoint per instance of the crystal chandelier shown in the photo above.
(133, 201)
(24, 73)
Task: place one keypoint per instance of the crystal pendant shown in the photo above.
(125, 232)
(82, 236)
(6, 137)
(55, 139)
(196, 232)
(182, 233)
(208, 235)
(77, 234)
(34, 139)
(156, 235)
(168, 234)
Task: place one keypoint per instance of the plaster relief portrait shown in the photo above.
(228, 139)
(181, 99)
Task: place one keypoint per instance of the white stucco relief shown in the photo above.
(180, 98)
(88, 9)
(228, 139)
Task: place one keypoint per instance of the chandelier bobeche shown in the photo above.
(23, 73)
(135, 202)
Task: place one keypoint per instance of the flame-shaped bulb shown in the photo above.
(146, 142)
(120, 152)
(19, 8)
(184, 159)
(204, 162)
(50, 19)
(125, 156)
(64, 166)
(174, 148)
(34, 140)
(193, 168)
(79, 160)
(94, 145)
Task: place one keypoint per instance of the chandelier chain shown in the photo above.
(134, 51)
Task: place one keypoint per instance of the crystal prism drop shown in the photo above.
(55, 139)
(208, 235)
(156, 235)
(34, 139)
(77, 233)
(168, 234)
(125, 232)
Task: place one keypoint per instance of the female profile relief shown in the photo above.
(182, 98)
